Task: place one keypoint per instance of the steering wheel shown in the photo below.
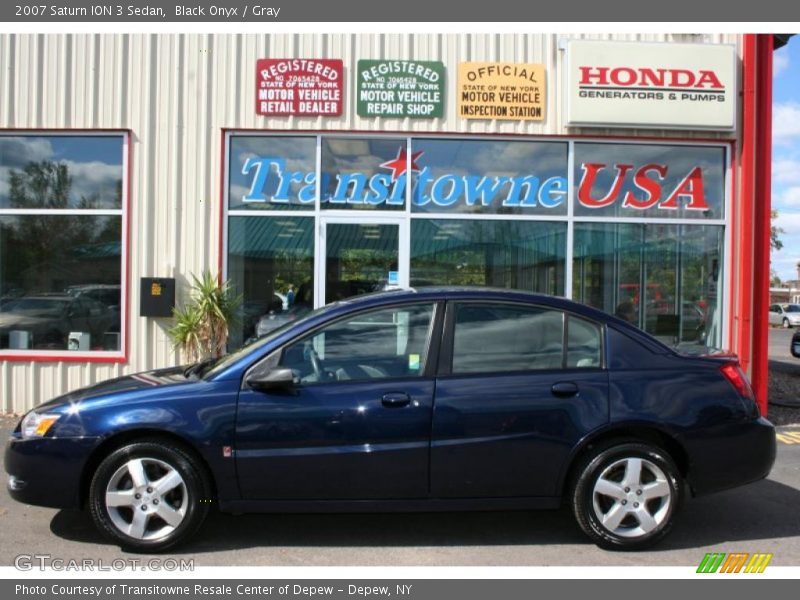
(316, 365)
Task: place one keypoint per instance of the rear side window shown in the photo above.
(583, 344)
(502, 338)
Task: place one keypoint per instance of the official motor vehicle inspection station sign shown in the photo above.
(499, 90)
(299, 86)
(647, 84)
(400, 88)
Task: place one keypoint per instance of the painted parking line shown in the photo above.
(789, 437)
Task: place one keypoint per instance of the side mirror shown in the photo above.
(279, 378)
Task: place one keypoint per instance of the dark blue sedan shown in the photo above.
(435, 399)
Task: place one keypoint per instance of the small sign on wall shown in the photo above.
(499, 90)
(299, 86)
(400, 88)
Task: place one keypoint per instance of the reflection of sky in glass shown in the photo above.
(299, 154)
(679, 160)
(341, 156)
(491, 159)
(93, 164)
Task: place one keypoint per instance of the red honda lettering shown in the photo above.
(590, 171)
(681, 78)
(598, 73)
(649, 186)
(710, 78)
(691, 187)
(623, 76)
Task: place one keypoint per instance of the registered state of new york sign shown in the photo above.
(299, 87)
(400, 88)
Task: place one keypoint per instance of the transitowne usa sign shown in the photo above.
(631, 84)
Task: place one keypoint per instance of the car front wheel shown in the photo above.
(625, 496)
(149, 496)
(786, 323)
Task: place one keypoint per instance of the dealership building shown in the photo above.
(627, 172)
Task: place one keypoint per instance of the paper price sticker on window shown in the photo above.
(413, 362)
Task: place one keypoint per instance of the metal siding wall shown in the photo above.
(176, 93)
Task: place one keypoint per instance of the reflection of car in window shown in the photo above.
(48, 319)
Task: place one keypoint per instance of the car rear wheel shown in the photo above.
(148, 496)
(625, 496)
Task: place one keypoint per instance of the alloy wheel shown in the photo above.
(632, 497)
(146, 499)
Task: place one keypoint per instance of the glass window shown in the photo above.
(494, 177)
(61, 172)
(584, 348)
(60, 268)
(364, 173)
(522, 255)
(272, 173)
(501, 337)
(382, 344)
(271, 263)
(654, 181)
(665, 279)
(60, 282)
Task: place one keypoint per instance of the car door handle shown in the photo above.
(395, 399)
(564, 389)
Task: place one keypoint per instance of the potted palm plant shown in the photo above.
(201, 325)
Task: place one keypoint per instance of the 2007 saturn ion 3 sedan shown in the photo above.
(429, 399)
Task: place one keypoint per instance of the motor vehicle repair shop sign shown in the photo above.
(400, 88)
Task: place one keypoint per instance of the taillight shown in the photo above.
(738, 379)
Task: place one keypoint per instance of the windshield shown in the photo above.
(793, 308)
(227, 360)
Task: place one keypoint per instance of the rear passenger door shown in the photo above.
(518, 386)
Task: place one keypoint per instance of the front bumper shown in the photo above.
(731, 455)
(47, 471)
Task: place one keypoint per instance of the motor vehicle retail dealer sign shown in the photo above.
(299, 86)
(631, 84)
(400, 88)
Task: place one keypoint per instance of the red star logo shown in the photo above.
(400, 164)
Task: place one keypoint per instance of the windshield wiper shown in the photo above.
(198, 367)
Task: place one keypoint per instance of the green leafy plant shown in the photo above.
(201, 326)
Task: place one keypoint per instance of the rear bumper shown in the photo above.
(47, 472)
(728, 456)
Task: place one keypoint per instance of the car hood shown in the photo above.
(129, 383)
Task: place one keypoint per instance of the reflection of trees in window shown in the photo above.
(50, 251)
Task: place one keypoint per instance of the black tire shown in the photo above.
(190, 499)
(635, 530)
(785, 323)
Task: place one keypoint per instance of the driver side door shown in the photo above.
(355, 425)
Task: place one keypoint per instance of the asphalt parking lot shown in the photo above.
(761, 517)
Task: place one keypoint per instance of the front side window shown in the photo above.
(382, 344)
(61, 230)
(503, 338)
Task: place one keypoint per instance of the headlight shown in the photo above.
(36, 425)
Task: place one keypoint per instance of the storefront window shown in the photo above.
(653, 181)
(271, 263)
(664, 279)
(524, 255)
(272, 173)
(364, 174)
(61, 268)
(489, 177)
